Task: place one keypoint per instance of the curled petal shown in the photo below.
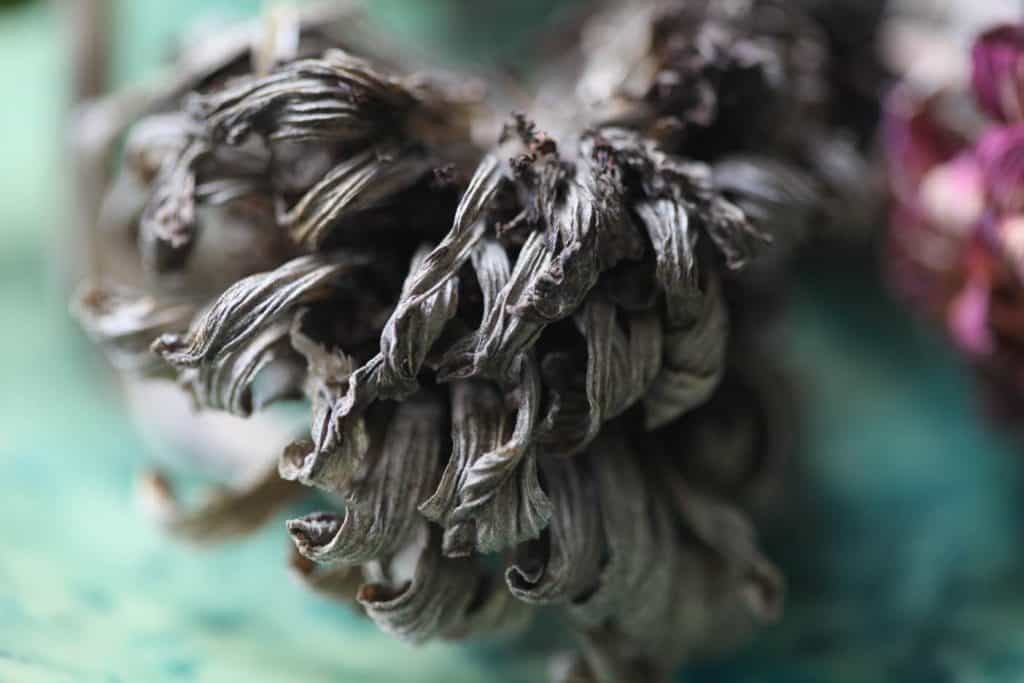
(497, 348)
(168, 225)
(381, 513)
(362, 181)
(564, 563)
(339, 442)
(337, 97)
(733, 233)
(619, 370)
(674, 241)
(447, 598)
(693, 361)
(998, 72)
(250, 304)
(228, 383)
(489, 497)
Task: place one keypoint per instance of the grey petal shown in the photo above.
(168, 225)
(497, 348)
(619, 370)
(250, 304)
(447, 598)
(361, 181)
(337, 97)
(569, 564)
(693, 362)
(381, 513)
(489, 497)
(227, 382)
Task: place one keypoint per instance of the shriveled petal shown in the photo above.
(619, 370)
(125, 323)
(780, 199)
(381, 513)
(998, 72)
(362, 181)
(337, 97)
(251, 304)
(674, 241)
(447, 598)
(693, 361)
(167, 228)
(228, 383)
(564, 563)
(489, 497)
(338, 442)
(497, 348)
(338, 582)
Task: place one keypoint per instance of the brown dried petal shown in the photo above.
(251, 304)
(339, 582)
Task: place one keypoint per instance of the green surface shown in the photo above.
(902, 550)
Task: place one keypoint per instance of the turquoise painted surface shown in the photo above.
(902, 544)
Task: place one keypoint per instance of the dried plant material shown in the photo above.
(363, 181)
(242, 310)
(336, 582)
(489, 497)
(510, 337)
(447, 598)
(228, 383)
(225, 514)
(125, 323)
(380, 514)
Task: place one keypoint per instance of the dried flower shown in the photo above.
(998, 72)
(956, 238)
(491, 330)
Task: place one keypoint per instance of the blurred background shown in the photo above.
(906, 563)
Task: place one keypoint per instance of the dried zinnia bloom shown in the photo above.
(514, 340)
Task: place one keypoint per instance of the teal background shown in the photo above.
(901, 537)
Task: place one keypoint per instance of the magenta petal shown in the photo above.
(1001, 155)
(998, 72)
(915, 141)
(968, 320)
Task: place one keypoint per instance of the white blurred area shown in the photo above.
(926, 40)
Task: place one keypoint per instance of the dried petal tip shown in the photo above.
(998, 72)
